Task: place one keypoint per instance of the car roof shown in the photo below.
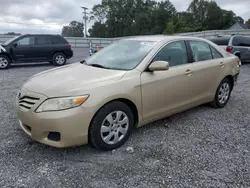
(159, 38)
(153, 38)
(39, 35)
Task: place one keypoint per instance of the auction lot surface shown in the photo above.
(202, 147)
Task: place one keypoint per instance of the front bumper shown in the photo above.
(70, 127)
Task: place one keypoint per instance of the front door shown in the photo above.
(164, 92)
(24, 50)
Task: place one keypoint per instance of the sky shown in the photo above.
(49, 16)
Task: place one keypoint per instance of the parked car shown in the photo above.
(125, 85)
(35, 48)
(237, 45)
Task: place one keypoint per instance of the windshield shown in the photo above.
(123, 55)
(10, 40)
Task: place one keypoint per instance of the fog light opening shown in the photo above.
(54, 136)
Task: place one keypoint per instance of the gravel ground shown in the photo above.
(202, 147)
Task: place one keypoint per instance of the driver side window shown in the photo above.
(174, 53)
(26, 41)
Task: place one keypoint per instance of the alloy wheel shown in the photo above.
(60, 60)
(3, 62)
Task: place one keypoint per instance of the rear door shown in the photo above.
(44, 47)
(208, 65)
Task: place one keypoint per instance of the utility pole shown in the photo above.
(85, 18)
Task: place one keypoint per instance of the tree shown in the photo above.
(116, 18)
(98, 30)
(248, 21)
(12, 33)
(170, 29)
(239, 19)
(99, 13)
(74, 29)
(198, 10)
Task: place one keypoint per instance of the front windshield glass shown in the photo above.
(10, 40)
(122, 55)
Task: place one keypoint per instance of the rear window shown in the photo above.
(220, 41)
(58, 40)
(241, 41)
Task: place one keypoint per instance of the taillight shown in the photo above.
(69, 46)
(229, 49)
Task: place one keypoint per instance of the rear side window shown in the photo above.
(216, 54)
(43, 40)
(201, 51)
(58, 40)
(241, 41)
(174, 53)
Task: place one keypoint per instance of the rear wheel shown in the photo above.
(223, 93)
(59, 59)
(4, 62)
(111, 126)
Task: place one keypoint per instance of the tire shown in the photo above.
(59, 59)
(105, 128)
(4, 62)
(223, 93)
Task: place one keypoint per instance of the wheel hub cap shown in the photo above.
(224, 93)
(114, 127)
(3, 62)
(60, 59)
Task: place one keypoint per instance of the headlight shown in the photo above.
(55, 104)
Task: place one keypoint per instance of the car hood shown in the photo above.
(65, 81)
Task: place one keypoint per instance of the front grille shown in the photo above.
(26, 102)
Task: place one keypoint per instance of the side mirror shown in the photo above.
(15, 45)
(158, 66)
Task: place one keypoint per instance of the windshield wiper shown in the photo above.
(98, 65)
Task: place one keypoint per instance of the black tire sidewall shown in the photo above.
(218, 104)
(9, 62)
(95, 127)
(54, 59)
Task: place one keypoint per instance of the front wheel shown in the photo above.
(111, 126)
(4, 62)
(223, 93)
(59, 59)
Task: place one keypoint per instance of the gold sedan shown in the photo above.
(128, 84)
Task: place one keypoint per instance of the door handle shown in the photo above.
(222, 64)
(188, 72)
